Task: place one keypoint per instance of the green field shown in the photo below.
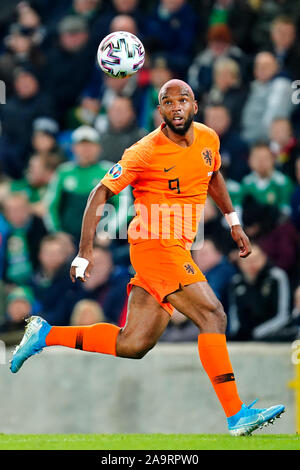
(147, 442)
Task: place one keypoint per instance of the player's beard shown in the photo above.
(182, 130)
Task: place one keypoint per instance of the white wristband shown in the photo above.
(232, 219)
(80, 266)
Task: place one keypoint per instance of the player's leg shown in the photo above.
(198, 302)
(146, 322)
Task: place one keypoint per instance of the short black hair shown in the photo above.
(262, 143)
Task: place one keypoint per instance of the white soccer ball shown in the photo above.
(121, 54)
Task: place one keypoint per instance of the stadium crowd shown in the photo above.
(65, 123)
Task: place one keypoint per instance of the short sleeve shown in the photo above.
(126, 171)
(217, 155)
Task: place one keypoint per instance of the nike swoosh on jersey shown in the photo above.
(168, 169)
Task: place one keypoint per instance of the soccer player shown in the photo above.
(175, 165)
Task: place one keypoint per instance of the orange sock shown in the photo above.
(215, 360)
(101, 337)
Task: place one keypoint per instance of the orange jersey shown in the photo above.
(170, 184)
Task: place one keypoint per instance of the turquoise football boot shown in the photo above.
(249, 419)
(33, 341)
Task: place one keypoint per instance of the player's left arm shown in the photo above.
(219, 193)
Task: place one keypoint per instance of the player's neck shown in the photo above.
(183, 140)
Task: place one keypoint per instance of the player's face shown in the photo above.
(177, 108)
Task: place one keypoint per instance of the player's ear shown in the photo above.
(195, 107)
(159, 109)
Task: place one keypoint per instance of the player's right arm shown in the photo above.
(122, 174)
(91, 217)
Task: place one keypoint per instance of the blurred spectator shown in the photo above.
(17, 117)
(97, 13)
(20, 240)
(19, 305)
(40, 171)
(107, 285)
(219, 44)
(264, 183)
(67, 243)
(117, 8)
(285, 146)
(127, 7)
(259, 299)
(295, 200)
(44, 136)
(85, 113)
(28, 16)
(68, 192)
(171, 30)
(269, 98)
(268, 10)
(159, 73)
(219, 11)
(274, 233)
(122, 130)
(90, 10)
(124, 23)
(51, 283)
(227, 89)
(113, 88)
(216, 268)
(103, 95)
(285, 47)
(21, 51)
(87, 312)
(233, 149)
(70, 64)
(240, 16)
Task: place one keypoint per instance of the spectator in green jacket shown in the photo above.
(40, 171)
(264, 183)
(68, 192)
(20, 242)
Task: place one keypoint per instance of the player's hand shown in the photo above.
(241, 240)
(87, 272)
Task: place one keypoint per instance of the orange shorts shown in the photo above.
(161, 270)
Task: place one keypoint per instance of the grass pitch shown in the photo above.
(147, 442)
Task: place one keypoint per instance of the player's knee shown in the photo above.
(133, 346)
(217, 311)
(221, 315)
(140, 348)
(213, 315)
